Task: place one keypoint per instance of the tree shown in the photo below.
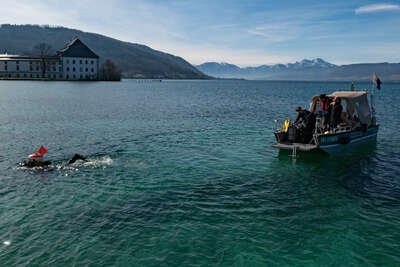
(109, 71)
(43, 51)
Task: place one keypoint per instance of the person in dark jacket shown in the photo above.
(335, 112)
(306, 124)
(302, 115)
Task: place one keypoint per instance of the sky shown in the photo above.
(245, 33)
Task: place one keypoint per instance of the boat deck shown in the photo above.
(298, 146)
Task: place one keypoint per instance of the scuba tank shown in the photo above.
(286, 125)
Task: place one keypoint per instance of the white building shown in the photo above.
(74, 62)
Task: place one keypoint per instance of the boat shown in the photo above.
(357, 125)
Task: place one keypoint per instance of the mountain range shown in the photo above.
(134, 60)
(311, 70)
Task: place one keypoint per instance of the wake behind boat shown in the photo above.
(333, 122)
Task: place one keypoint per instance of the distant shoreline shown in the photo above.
(215, 79)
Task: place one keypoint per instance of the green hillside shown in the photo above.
(135, 60)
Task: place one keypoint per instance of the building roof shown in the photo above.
(76, 48)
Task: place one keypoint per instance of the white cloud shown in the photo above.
(377, 8)
(200, 53)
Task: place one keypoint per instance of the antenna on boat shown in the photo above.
(376, 83)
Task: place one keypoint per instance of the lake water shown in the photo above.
(181, 173)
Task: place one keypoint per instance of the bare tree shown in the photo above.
(109, 71)
(44, 51)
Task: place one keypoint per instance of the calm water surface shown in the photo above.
(181, 173)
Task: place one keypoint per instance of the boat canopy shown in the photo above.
(349, 95)
(356, 104)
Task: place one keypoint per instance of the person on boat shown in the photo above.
(324, 102)
(335, 112)
(302, 115)
(305, 122)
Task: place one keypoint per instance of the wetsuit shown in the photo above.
(302, 116)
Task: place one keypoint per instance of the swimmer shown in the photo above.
(36, 159)
(75, 158)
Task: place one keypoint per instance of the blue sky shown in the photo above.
(245, 33)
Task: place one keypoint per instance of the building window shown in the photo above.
(92, 70)
(5, 67)
(54, 68)
(37, 75)
(81, 76)
(67, 68)
(17, 68)
(17, 62)
(60, 76)
(80, 61)
(73, 61)
(86, 69)
(91, 62)
(81, 69)
(73, 69)
(30, 68)
(73, 76)
(86, 61)
(67, 76)
(37, 68)
(31, 75)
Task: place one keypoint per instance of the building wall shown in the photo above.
(30, 68)
(78, 68)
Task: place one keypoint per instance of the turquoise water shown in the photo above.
(181, 173)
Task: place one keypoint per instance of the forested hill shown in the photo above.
(134, 60)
